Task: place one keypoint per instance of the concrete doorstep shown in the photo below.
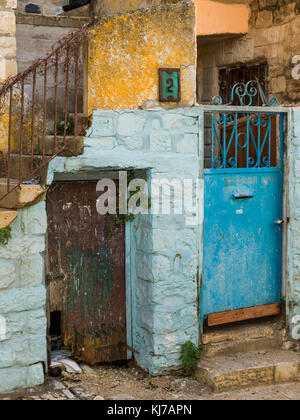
(225, 373)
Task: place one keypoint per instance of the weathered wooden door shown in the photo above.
(86, 271)
(243, 216)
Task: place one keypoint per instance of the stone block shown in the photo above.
(7, 22)
(31, 270)
(287, 372)
(34, 219)
(264, 19)
(7, 274)
(134, 143)
(130, 124)
(161, 267)
(173, 121)
(15, 324)
(2, 69)
(13, 378)
(7, 217)
(8, 68)
(102, 143)
(23, 350)
(103, 125)
(35, 375)
(160, 141)
(188, 144)
(20, 247)
(8, 46)
(26, 323)
(22, 196)
(36, 321)
(177, 242)
(143, 266)
(8, 4)
(22, 299)
(143, 237)
(278, 84)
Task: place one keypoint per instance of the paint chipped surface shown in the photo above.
(87, 273)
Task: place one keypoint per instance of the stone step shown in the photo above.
(250, 369)
(7, 217)
(243, 338)
(72, 146)
(22, 196)
(26, 170)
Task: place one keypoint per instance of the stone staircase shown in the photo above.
(254, 335)
(38, 128)
(28, 194)
(246, 355)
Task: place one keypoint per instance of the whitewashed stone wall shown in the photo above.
(293, 303)
(23, 347)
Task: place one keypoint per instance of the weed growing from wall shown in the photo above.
(190, 355)
(5, 235)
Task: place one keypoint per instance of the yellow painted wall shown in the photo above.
(3, 131)
(127, 50)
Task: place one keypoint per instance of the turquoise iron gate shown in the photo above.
(243, 183)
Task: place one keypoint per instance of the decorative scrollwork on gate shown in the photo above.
(246, 94)
(242, 138)
(242, 141)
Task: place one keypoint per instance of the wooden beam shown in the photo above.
(243, 314)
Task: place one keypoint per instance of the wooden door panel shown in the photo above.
(86, 254)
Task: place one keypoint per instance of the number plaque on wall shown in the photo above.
(169, 85)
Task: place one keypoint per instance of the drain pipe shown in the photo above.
(74, 5)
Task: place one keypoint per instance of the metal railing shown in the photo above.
(40, 111)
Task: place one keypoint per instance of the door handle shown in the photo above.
(241, 196)
(279, 222)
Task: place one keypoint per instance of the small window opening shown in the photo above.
(242, 74)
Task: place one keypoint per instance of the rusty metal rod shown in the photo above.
(76, 91)
(55, 102)
(45, 112)
(21, 134)
(66, 92)
(33, 117)
(9, 138)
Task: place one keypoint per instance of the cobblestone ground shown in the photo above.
(130, 383)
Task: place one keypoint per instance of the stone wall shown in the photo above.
(8, 65)
(36, 41)
(164, 249)
(293, 289)
(23, 348)
(273, 37)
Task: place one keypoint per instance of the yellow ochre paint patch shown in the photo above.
(127, 50)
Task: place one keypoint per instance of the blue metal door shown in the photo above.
(243, 211)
